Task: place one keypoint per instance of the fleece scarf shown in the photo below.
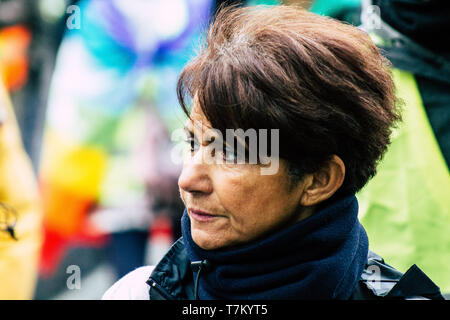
(320, 257)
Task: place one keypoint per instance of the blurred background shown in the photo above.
(88, 108)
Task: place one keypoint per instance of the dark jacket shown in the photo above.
(409, 47)
(172, 279)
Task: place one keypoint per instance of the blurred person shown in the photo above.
(293, 233)
(111, 108)
(30, 32)
(20, 211)
(406, 207)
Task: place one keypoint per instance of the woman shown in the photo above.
(325, 91)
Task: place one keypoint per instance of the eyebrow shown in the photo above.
(191, 133)
(188, 131)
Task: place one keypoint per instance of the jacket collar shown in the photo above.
(172, 279)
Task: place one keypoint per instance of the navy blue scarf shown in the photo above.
(321, 257)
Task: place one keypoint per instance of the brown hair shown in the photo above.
(322, 83)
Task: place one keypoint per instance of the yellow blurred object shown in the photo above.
(18, 190)
(75, 168)
(71, 185)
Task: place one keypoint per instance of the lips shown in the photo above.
(201, 216)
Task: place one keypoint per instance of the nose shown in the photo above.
(195, 177)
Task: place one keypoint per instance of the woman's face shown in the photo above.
(230, 204)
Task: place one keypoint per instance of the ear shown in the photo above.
(323, 183)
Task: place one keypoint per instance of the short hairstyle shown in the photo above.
(321, 82)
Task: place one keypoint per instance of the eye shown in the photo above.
(229, 154)
(193, 144)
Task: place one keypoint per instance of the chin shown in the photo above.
(206, 242)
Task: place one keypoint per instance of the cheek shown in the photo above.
(256, 201)
(235, 189)
(182, 196)
(246, 196)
